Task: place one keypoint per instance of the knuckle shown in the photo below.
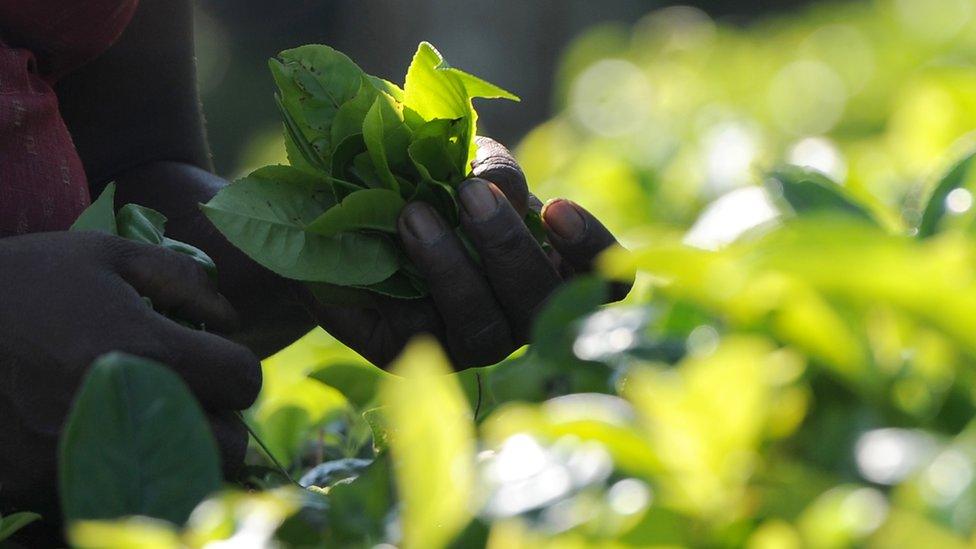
(446, 265)
(114, 249)
(509, 245)
(478, 334)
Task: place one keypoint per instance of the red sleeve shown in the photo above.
(42, 181)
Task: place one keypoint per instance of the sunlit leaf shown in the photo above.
(129, 533)
(432, 443)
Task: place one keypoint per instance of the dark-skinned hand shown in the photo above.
(68, 298)
(480, 313)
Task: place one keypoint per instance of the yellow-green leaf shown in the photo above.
(432, 442)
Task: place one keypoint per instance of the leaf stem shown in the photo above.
(266, 451)
(347, 184)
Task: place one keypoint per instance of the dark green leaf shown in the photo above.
(376, 420)
(100, 216)
(314, 81)
(141, 224)
(265, 215)
(358, 510)
(357, 382)
(555, 327)
(806, 191)
(343, 159)
(301, 154)
(135, 443)
(195, 253)
(349, 119)
(387, 138)
(960, 176)
(372, 209)
(434, 149)
(10, 524)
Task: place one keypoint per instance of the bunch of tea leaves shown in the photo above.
(359, 149)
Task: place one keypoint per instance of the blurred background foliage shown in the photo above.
(796, 365)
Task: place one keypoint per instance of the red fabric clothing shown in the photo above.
(42, 182)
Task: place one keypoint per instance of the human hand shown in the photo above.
(480, 313)
(65, 299)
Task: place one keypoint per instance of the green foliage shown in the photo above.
(939, 213)
(431, 439)
(10, 524)
(266, 214)
(135, 222)
(360, 148)
(806, 192)
(136, 443)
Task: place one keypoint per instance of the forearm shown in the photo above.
(138, 102)
(272, 315)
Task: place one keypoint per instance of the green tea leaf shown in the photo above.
(10, 524)
(141, 224)
(359, 383)
(137, 223)
(358, 510)
(362, 168)
(961, 175)
(349, 119)
(196, 254)
(387, 137)
(432, 443)
(394, 91)
(265, 215)
(433, 90)
(135, 443)
(555, 328)
(434, 148)
(100, 215)
(373, 209)
(314, 81)
(301, 154)
(476, 87)
(343, 160)
(376, 419)
(807, 191)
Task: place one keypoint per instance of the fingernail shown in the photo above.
(565, 219)
(478, 199)
(423, 222)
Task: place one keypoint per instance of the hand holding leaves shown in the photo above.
(360, 148)
(377, 216)
(480, 310)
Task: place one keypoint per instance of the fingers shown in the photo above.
(516, 267)
(231, 437)
(476, 329)
(495, 163)
(222, 374)
(177, 286)
(579, 238)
